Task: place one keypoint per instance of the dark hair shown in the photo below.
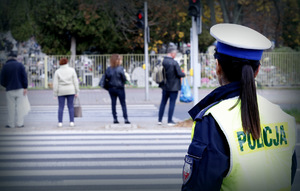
(243, 70)
(63, 61)
(12, 54)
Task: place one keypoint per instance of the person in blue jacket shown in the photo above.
(14, 79)
(240, 141)
(116, 86)
(170, 86)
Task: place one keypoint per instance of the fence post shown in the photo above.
(185, 64)
(46, 72)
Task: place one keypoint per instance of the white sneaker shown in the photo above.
(59, 125)
(72, 124)
(171, 124)
(159, 123)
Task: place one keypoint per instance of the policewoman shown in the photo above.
(240, 140)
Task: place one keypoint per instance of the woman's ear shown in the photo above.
(218, 68)
(256, 72)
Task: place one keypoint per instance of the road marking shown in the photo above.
(93, 148)
(141, 162)
(91, 137)
(131, 182)
(108, 160)
(84, 172)
(94, 142)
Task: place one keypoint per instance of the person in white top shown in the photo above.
(65, 86)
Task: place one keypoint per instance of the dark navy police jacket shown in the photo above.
(13, 75)
(209, 148)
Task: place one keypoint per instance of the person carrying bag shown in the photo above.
(103, 82)
(77, 108)
(186, 93)
(65, 87)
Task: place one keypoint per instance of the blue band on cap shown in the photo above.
(249, 54)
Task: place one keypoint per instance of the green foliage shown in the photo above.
(295, 113)
(205, 40)
(4, 16)
(55, 20)
(109, 26)
(283, 49)
(59, 20)
(15, 16)
(291, 24)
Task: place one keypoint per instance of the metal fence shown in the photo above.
(278, 69)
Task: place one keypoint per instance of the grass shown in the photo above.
(295, 113)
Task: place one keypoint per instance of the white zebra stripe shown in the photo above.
(137, 163)
(104, 142)
(94, 148)
(138, 154)
(160, 181)
(99, 137)
(155, 157)
(84, 172)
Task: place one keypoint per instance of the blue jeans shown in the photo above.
(114, 93)
(172, 95)
(61, 105)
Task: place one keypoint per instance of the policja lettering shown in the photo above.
(273, 136)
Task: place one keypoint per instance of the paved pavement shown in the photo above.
(142, 113)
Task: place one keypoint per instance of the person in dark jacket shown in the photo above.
(233, 126)
(170, 86)
(14, 79)
(116, 79)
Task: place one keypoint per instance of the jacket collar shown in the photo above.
(168, 57)
(64, 66)
(220, 93)
(11, 60)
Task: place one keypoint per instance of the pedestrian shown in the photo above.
(240, 140)
(14, 79)
(65, 87)
(116, 79)
(170, 86)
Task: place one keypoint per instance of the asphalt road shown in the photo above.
(115, 160)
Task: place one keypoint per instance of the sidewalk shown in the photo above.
(142, 113)
(137, 96)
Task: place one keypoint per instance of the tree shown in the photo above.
(291, 24)
(231, 10)
(15, 16)
(55, 25)
(106, 26)
(268, 17)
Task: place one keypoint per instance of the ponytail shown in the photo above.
(237, 69)
(249, 106)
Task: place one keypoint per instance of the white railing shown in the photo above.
(278, 69)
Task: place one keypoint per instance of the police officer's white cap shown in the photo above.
(239, 41)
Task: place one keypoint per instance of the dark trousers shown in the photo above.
(61, 105)
(172, 95)
(120, 93)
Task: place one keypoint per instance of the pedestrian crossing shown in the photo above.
(54, 108)
(91, 113)
(112, 160)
